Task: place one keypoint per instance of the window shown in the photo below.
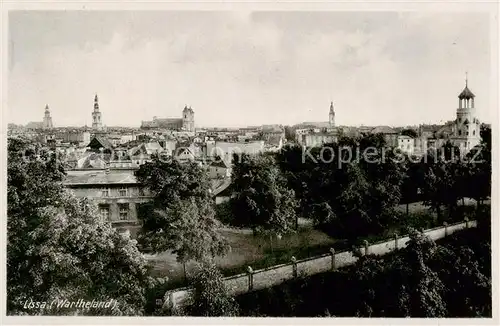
(104, 211)
(473, 132)
(460, 120)
(123, 211)
(123, 192)
(105, 192)
(467, 133)
(460, 132)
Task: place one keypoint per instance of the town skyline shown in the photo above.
(268, 70)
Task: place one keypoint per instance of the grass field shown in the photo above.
(247, 249)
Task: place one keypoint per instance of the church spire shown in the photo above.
(96, 103)
(96, 115)
(331, 116)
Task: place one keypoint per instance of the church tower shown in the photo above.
(47, 119)
(188, 119)
(96, 115)
(466, 129)
(331, 116)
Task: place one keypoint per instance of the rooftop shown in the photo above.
(99, 177)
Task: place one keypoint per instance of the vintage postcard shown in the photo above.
(250, 160)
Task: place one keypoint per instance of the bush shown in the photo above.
(210, 295)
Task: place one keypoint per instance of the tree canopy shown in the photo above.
(59, 248)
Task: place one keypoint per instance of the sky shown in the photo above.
(246, 68)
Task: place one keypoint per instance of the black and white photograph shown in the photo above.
(250, 162)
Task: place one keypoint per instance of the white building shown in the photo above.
(406, 144)
(466, 129)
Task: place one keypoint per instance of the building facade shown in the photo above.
(185, 123)
(116, 192)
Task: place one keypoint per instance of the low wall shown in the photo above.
(271, 276)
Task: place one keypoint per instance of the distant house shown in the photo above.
(406, 144)
(92, 160)
(390, 135)
(222, 191)
(225, 150)
(34, 125)
(219, 169)
(274, 143)
(185, 154)
(99, 143)
(144, 152)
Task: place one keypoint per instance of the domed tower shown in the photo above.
(188, 119)
(47, 119)
(466, 131)
(331, 116)
(96, 115)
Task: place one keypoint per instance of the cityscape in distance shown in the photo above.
(249, 164)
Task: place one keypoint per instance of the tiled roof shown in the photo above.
(103, 141)
(466, 94)
(100, 177)
(383, 130)
(221, 186)
(152, 147)
(220, 164)
(274, 140)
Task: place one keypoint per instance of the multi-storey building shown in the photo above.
(116, 192)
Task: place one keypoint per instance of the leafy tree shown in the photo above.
(424, 288)
(171, 181)
(181, 215)
(290, 133)
(58, 248)
(478, 178)
(211, 297)
(190, 232)
(442, 186)
(262, 201)
(409, 132)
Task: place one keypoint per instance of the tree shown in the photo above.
(58, 248)
(211, 297)
(190, 231)
(410, 133)
(262, 200)
(181, 216)
(290, 134)
(171, 181)
(424, 288)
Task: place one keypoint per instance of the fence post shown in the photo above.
(395, 241)
(466, 222)
(366, 247)
(445, 224)
(332, 253)
(168, 300)
(250, 278)
(294, 266)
